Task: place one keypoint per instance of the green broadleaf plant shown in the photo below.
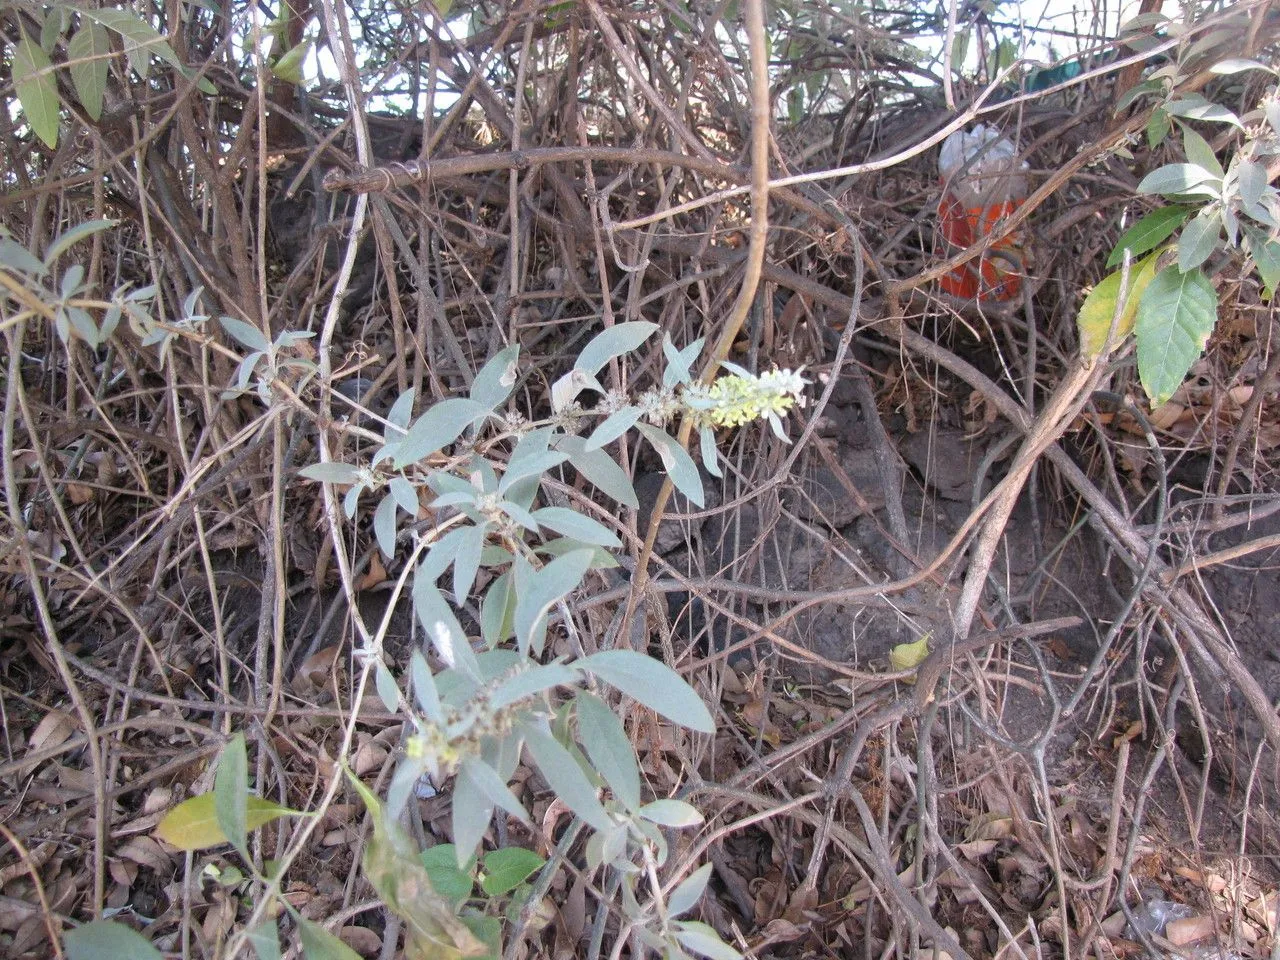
(1214, 206)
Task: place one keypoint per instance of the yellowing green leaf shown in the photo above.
(37, 89)
(394, 867)
(289, 67)
(193, 824)
(908, 656)
(1094, 321)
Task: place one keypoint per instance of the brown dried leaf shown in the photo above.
(1189, 929)
(79, 493)
(54, 729)
(146, 852)
(362, 940)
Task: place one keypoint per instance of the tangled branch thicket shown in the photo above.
(1093, 728)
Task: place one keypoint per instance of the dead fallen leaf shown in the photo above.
(362, 940)
(54, 729)
(1189, 929)
(79, 493)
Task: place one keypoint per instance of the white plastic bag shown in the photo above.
(980, 166)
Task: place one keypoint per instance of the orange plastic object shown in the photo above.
(996, 274)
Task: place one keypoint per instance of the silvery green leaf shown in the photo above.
(492, 787)
(17, 257)
(566, 390)
(1252, 179)
(481, 475)
(401, 411)
(437, 428)
(546, 586)
(566, 778)
(504, 754)
(231, 793)
(404, 784)
(1200, 153)
(1271, 109)
(440, 554)
(405, 494)
(1198, 239)
(191, 306)
(613, 342)
(578, 526)
(384, 526)
(520, 515)
(71, 278)
(1175, 178)
(686, 896)
(779, 431)
(652, 683)
(84, 326)
(247, 365)
(1231, 224)
(443, 629)
(497, 611)
(424, 688)
(1238, 65)
(710, 454)
(535, 680)
(463, 498)
(601, 559)
(1266, 256)
(246, 334)
(679, 362)
(385, 683)
(522, 493)
(601, 470)
(495, 381)
(613, 844)
(676, 461)
(532, 466)
(614, 426)
(73, 236)
(289, 338)
(110, 320)
(471, 815)
(467, 562)
(330, 472)
(595, 847)
(352, 500)
(653, 834)
(1195, 107)
(704, 940)
(671, 813)
(609, 748)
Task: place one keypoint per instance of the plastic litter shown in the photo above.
(1153, 916)
(983, 182)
